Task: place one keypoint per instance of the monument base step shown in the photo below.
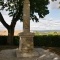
(34, 53)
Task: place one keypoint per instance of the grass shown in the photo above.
(46, 33)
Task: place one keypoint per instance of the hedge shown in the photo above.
(47, 40)
(40, 40)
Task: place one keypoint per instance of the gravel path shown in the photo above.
(10, 54)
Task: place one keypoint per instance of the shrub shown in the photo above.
(39, 40)
(3, 40)
(47, 40)
(16, 40)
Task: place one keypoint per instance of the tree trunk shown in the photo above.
(10, 27)
(10, 36)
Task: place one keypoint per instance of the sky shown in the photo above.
(49, 22)
(54, 10)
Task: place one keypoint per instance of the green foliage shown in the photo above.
(16, 40)
(39, 40)
(37, 33)
(40, 7)
(47, 40)
(1, 2)
(36, 6)
(3, 40)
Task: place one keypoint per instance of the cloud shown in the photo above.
(46, 25)
(54, 4)
(41, 25)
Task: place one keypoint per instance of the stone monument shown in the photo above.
(26, 45)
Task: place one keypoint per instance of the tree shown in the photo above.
(15, 8)
(11, 27)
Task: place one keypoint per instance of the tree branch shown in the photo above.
(3, 21)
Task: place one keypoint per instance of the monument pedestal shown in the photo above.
(26, 46)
